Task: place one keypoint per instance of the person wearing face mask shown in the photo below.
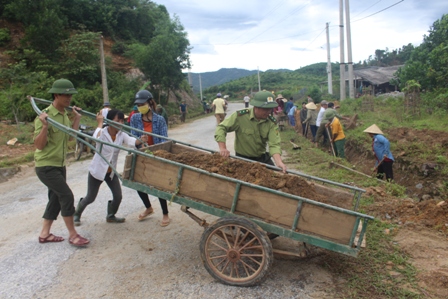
(99, 170)
(149, 121)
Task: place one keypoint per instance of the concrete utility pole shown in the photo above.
(103, 73)
(349, 51)
(259, 85)
(330, 79)
(200, 86)
(341, 42)
(190, 81)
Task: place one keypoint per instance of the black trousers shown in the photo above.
(145, 198)
(385, 169)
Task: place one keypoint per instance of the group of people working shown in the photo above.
(50, 158)
(255, 130)
(325, 123)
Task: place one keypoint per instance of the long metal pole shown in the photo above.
(330, 78)
(349, 50)
(103, 73)
(259, 85)
(341, 42)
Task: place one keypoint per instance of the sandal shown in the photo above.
(166, 223)
(80, 241)
(49, 239)
(146, 213)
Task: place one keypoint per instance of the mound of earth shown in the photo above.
(258, 174)
(406, 211)
(420, 161)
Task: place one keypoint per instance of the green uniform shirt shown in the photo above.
(328, 111)
(251, 135)
(55, 151)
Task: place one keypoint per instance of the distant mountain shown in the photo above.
(221, 76)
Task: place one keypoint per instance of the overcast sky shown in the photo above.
(275, 34)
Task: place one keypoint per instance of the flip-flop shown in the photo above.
(81, 241)
(163, 224)
(47, 240)
(144, 215)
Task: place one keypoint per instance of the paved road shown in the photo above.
(130, 260)
(201, 132)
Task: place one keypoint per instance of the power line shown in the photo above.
(368, 7)
(296, 10)
(378, 12)
(269, 13)
(263, 41)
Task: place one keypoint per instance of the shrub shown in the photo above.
(5, 36)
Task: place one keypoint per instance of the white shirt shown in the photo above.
(98, 167)
(104, 112)
(246, 99)
(320, 116)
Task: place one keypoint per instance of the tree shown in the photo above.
(428, 62)
(163, 59)
(17, 83)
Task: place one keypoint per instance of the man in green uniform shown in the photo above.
(254, 128)
(51, 149)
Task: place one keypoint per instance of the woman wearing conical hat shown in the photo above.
(381, 150)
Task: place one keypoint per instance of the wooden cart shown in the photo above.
(236, 248)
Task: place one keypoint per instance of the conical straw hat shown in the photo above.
(374, 130)
(311, 106)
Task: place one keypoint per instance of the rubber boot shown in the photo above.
(111, 210)
(78, 212)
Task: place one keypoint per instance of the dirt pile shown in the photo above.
(254, 173)
(421, 163)
(429, 213)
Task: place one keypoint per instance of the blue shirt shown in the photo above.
(158, 126)
(381, 147)
(292, 111)
(288, 106)
(183, 107)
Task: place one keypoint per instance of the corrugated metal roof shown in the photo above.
(377, 75)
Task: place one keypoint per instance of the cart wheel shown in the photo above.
(78, 150)
(236, 252)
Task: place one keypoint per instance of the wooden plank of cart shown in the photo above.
(236, 249)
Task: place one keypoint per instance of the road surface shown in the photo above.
(129, 260)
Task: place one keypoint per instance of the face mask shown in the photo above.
(143, 109)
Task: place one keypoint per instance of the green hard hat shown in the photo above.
(62, 86)
(264, 99)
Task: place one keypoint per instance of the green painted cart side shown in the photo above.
(284, 214)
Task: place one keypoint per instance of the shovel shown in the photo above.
(331, 143)
(294, 146)
(376, 167)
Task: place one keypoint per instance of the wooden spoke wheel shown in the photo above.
(236, 252)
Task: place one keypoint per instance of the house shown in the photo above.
(377, 78)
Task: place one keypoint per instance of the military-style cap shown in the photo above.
(63, 86)
(324, 102)
(373, 129)
(263, 99)
(329, 114)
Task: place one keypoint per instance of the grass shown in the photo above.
(382, 270)
(28, 157)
